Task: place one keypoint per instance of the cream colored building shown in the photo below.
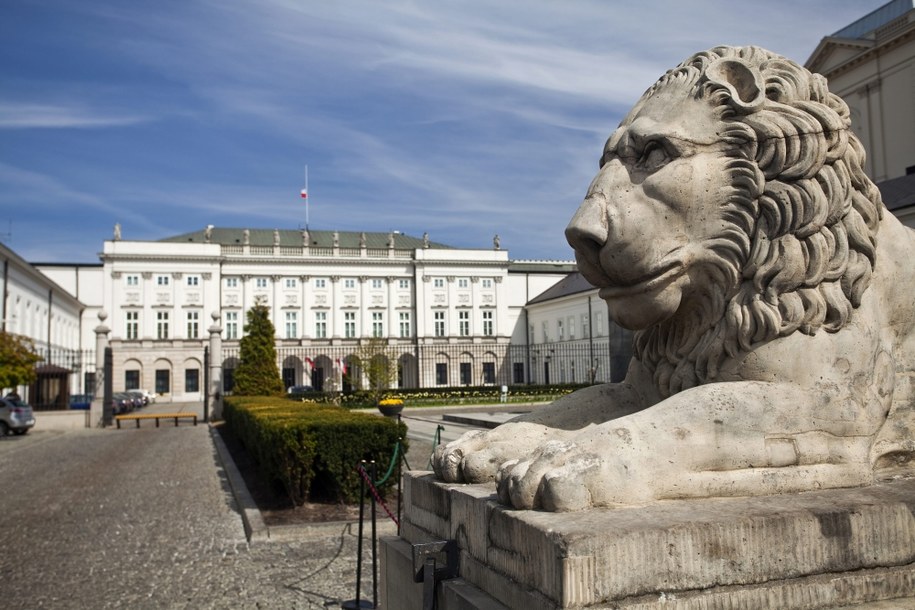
(871, 64)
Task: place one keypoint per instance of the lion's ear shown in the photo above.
(743, 82)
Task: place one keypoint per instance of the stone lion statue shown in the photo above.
(732, 226)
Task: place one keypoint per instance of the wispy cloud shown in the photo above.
(47, 116)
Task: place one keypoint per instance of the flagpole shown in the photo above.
(306, 197)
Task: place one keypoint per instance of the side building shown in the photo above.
(447, 315)
(871, 64)
(36, 307)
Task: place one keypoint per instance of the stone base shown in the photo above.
(824, 549)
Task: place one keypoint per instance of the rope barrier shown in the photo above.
(387, 475)
(375, 494)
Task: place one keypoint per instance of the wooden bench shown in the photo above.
(156, 416)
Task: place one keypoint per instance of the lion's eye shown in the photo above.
(654, 156)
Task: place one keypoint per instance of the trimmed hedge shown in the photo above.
(313, 450)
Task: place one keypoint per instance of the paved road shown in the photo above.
(144, 518)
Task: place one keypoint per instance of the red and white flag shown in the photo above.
(310, 362)
(304, 193)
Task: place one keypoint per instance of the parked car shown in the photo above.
(145, 394)
(295, 390)
(141, 397)
(81, 401)
(15, 416)
(121, 402)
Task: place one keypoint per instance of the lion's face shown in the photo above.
(731, 209)
(641, 233)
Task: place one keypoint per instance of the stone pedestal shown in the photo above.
(824, 549)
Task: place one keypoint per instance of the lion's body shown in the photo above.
(733, 227)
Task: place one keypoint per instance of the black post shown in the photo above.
(400, 461)
(374, 543)
(107, 389)
(355, 604)
(206, 383)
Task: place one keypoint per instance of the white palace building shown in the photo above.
(450, 316)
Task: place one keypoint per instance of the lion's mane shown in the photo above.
(800, 246)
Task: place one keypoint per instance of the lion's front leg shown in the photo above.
(477, 456)
(700, 443)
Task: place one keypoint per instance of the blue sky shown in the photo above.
(462, 119)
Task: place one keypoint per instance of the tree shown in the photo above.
(379, 365)
(17, 360)
(257, 373)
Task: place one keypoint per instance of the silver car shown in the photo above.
(15, 416)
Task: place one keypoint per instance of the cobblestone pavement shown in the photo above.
(145, 519)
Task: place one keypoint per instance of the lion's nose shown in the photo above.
(587, 231)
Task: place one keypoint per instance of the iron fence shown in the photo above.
(425, 365)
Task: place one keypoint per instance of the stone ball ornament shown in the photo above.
(732, 226)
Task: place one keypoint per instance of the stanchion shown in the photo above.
(374, 544)
(358, 603)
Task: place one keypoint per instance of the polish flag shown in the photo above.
(309, 362)
(342, 365)
(304, 193)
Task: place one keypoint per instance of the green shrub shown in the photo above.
(313, 450)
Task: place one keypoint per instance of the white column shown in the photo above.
(215, 380)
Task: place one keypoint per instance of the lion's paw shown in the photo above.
(561, 477)
(476, 456)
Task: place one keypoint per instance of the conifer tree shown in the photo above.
(257, 373)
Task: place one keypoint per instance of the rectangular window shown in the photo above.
(571, 322)
(560, 331)
(404, 284)
(376, 283)
(292, 324)
(193, 280)
(599, 324)
(133, 280)
(131, 380)
(439, 317)
(260, 282)
(192, 380)
(133, 324)
(349, 283)
(405, 326)
(487, 282)
(162, 325)
(585, 325)
(546, 332)
(349, 324)
(320, 325)
(231, 325)
(320, 282)
(464, 323)
(489, 372)
(487, 323)
(377, 324)
(163, 381)
(441, 373)
(193, 324)
(291, 282)
(518, 372)
(438, 282)
(231, 282)
(466, 376)
(463, 282)
(162, 280)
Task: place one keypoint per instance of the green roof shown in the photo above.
(293, 238)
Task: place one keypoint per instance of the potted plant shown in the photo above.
(390, 407)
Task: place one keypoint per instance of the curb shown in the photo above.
(255, 528)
